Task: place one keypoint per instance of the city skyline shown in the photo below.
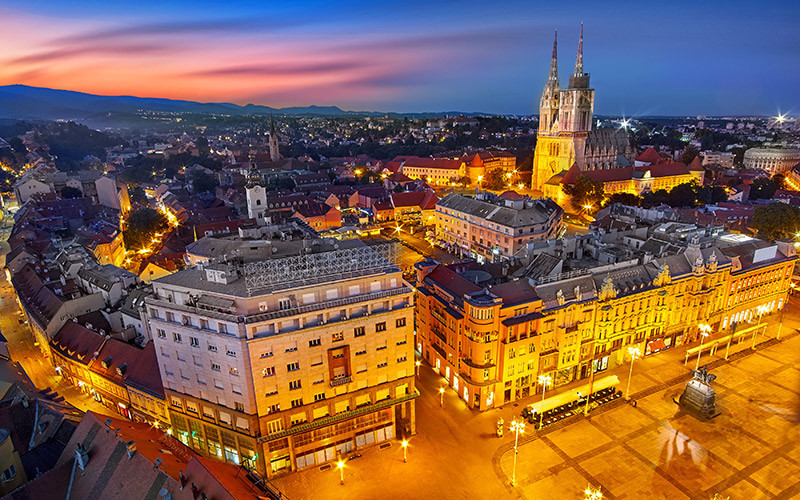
(444, 58)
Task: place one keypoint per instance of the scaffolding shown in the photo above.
(311, 268)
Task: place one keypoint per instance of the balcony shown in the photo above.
(341, 381)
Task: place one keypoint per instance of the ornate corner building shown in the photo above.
(566, 137)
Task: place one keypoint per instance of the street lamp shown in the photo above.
(705, 329)
(417, 365)
(517, 428)
(591, 493)
(405, 451)
(340, 465)
(761, 310)
(441, 397)
(544, 380)
(635, 353)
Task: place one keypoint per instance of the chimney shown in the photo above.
(82, 456)
(131, 449)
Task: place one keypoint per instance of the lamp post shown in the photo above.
(405, 451)
(417, 366)
(518, 428)
(544, 380)
(634, 352)
(591, 493)
(340, 465)
(704, 331)
(761, 310)
(441, 397)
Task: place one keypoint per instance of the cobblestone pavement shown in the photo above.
(655, 450)
(750, 451)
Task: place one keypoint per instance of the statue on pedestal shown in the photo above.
(699, 397)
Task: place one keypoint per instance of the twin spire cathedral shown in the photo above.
(565, 136)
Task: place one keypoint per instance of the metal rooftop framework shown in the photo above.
(311, 268)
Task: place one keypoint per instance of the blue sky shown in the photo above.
(688, 58)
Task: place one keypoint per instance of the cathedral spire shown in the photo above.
(552, 81)
(579, 57)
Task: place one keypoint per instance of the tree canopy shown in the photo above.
(776, 221)
(585, 192)
(494, 179)
(142, 225)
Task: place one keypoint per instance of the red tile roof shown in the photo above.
(649, 155)
(77, 342)
(452, 282)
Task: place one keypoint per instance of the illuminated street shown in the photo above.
(653, 450)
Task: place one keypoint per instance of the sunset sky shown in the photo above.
(694, 57)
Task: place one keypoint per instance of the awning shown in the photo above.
(656, 345)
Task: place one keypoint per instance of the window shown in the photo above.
(338, 336)
(215, 367)
(238, 406)
(291, 347)
(294, 384)
(380, 327)
(225, 417)
(274, 409)
(237, 389)
(268, 372)
(197, 361)
(315, 342)
(212, 348)
(161, 333)
(292, 367)
(512, 353)
(176, 402)
(170, 317)
(402, 359)
(176, 337)
(267, 353)
(400, 322)
(262, 306)
(194, 342)
(218, 384)
(381, 346)
(297, 402)
(204, 324)
(222, 328)
(10, 473)
(284, 304)
(186, 320)
(359, 331)
(271, 391)
(384, 363)
(230, 352)
(191, 407)
(208, 412)
(319, 397)
(233, 370)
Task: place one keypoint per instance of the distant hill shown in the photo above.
(24, 102)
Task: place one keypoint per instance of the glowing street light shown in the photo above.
(441, 397)
(340, 465)
(591, 493)
(635, 353)
(517, 427)
(705, 329)
(405, 451)
(762, 309)
(781, 118)
(544, 381)
(417, 366)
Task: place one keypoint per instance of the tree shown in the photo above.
(776, 221)
(464, 181)
(137, 195)
(779, 181)
(142, 225)
(203, 183)
(495, 179)
(71, 192)
(762, 188)
(624, 198)
(689, 154)
(654, 199)
(683, 195)
(586, 192)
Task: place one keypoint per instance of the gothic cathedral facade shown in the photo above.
(565, 135)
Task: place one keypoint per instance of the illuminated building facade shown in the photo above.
(291, 360)
(490, 229)
(492, 343)
(565, 137)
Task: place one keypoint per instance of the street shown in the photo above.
(652, 450)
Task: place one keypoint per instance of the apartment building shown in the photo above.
(488, 228)
(290, 358)
(491, 343)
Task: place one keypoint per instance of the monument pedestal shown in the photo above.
(699, 398)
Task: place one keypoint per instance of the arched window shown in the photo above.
(258, 202)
